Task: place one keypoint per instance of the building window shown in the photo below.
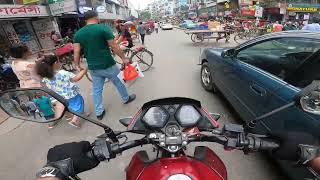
(6, 2)
(117, 10)
(109, 7)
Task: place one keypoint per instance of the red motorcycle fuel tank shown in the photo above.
(206, 166)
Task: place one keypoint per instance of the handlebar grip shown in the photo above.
(262, 144)
(269, 145)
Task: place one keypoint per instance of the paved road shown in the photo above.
(175, 73)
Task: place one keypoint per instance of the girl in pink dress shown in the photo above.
(23, 67)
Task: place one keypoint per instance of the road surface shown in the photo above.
(24, 145)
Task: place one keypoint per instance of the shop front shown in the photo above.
(302, 12)
(16, 26)
(66, 15)
(273, 14)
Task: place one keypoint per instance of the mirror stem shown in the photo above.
(109, 132)
(252, 124)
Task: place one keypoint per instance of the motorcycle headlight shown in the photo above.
(179, 177)
(187, 116)
(155, 117)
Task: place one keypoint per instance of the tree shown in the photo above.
(145, 15)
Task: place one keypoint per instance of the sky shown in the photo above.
(142, 3)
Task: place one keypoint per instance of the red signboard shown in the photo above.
(248, 12)
(7, 11)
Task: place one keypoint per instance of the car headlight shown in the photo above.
(188, 116)
(156, 117)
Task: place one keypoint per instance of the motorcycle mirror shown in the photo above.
(125, 121)
(311, 88)
(311, 102)
(37, 107)
(32, 105)
(216, 116)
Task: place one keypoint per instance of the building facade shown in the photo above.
(31, 22)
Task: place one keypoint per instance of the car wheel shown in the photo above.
(206, 78)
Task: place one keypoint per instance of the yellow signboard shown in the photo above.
(304, 9)
(29, 1)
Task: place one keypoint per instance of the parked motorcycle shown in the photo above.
(170, 124)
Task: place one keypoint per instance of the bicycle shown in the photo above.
(141, 55)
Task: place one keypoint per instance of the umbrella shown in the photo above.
(129, 22)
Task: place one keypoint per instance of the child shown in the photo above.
(63, 83)
(23, 67)
(45, 105)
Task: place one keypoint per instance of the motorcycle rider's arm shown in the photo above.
(76, 53)
(117, 50)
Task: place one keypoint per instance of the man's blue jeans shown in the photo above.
(98, 79)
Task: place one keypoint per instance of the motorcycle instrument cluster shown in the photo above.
(158, 116)
(187, 116)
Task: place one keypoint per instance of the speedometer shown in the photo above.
(187, 116)
(156, 117)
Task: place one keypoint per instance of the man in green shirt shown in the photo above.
(96, 40)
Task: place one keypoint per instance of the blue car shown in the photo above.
(263, 74)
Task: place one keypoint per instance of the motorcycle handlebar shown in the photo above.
(103, 150)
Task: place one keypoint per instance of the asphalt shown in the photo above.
(175, 73)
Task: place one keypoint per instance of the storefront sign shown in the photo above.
(29, 1)
(7, 11)
(292, 7)
(43, 29)
(84, 6)
(248, 12)
(259, 11)
(63, 7)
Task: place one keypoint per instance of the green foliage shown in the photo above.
(145, 15)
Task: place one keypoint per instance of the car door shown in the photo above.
(261, 68)
(268, 75)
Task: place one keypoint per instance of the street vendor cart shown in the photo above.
(201, 35)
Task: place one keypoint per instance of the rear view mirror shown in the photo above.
(125, 121)
(32, 105)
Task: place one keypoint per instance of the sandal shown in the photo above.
(52, 125)
(73, 124)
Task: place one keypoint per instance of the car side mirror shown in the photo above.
(125, 121)
(215, 116)
(228, 53)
